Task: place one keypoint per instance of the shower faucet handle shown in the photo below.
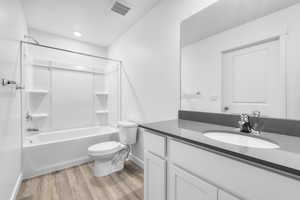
(6, 82)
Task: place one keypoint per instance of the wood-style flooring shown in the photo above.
(78, 183)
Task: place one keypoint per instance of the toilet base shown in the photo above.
(106, 167)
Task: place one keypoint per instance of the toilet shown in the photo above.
(110, 156)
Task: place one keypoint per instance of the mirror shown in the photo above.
(242, 56)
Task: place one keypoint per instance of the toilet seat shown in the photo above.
(105, 148)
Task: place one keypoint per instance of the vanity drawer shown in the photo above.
(154, 143)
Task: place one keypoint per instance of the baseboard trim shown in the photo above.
(139, 162)
(16, 187)
(57, 167)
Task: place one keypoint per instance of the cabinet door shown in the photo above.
(155, 177)
(185, 186)
(225, 196)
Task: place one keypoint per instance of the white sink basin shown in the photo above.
(241, 140)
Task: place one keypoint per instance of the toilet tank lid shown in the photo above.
(127, 124)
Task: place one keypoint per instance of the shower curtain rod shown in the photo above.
(70, 51)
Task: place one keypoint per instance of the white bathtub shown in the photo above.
(52, 151)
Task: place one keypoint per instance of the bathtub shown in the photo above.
(48, 152)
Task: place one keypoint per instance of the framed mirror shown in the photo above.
(242, 56)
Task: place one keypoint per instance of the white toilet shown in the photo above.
(110, 156)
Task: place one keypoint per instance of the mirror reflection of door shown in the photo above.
(252, 80)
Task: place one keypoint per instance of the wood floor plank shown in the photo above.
(31, 188)
(110, 186)
(135, 185)
(47, 188)
(134, 170)
(79, 183)
(97, 191)
(63, 187)
(101, 182)
(78, 186)
(126, 190)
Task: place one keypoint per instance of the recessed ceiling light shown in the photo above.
(77, 34)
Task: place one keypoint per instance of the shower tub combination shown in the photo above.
(52, 151)
(66, 89)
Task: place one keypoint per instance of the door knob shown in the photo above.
(226, 108)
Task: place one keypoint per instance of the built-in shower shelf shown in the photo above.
(34, 91)
(40, 115)
(101, 93)
(102, 112)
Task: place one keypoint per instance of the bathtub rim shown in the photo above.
(28, 144)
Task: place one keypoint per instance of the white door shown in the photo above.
(155, 177)
(185, 186)
(226, 196)
(253, 79)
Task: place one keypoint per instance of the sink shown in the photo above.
(241, 140)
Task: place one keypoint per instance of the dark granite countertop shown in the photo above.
(284, 160)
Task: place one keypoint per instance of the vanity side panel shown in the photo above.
(243, 180)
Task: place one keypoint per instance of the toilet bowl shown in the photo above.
(110, 156)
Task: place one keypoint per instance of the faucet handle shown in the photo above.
(256, 113)
(244, 123)
(244, 117)
(257, 123)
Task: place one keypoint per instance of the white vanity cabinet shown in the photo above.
(155, 177)
(155, 167)
(225, 196)
(183, 186)
(175, 170)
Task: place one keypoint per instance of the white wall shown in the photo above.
(13, 28)
(202, 62)
(150, 54)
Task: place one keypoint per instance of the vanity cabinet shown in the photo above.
(225, 196)
(183, 186)
(175, 170)
(155, 167)
(155, 177)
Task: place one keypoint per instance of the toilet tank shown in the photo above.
(127, 132)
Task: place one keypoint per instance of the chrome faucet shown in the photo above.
(253, 125)
(257, 123)
(244, 123)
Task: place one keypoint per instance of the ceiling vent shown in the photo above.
(120, 7)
